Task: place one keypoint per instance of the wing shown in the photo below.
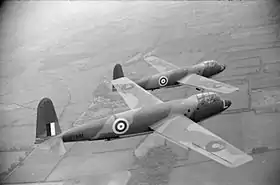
(159, 64)
(134, 95)
(206, 83)
(188, 134)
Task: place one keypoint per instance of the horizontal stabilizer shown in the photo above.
(54, 144)
(134, 95)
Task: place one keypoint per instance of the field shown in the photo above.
(66, 51)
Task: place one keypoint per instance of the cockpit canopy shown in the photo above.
(207, 97)
(210, 63)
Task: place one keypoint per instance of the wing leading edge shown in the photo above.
(188, 134)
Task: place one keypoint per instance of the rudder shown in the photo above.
(47, 124)
(117, 73)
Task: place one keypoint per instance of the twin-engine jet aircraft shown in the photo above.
(176, 121)
(170, 75)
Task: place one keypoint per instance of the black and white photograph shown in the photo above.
(140, 92)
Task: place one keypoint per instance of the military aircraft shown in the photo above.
(176, 121)
(170, 76)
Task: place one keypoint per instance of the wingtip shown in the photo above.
(242, 160)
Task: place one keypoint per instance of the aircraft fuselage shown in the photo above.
(139, 121)
(170, 78)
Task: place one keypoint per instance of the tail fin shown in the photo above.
(47, 127)
(47, 123)
(117, 73)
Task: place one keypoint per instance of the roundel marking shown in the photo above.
(163, 80)
(215, 146)
(120, 126)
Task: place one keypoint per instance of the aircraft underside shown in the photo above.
(126, 136)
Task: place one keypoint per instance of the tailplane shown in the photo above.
(55, 145)
(47, 127)
(117, 73)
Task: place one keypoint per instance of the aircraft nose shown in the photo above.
(227, 104)
(223, 67)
